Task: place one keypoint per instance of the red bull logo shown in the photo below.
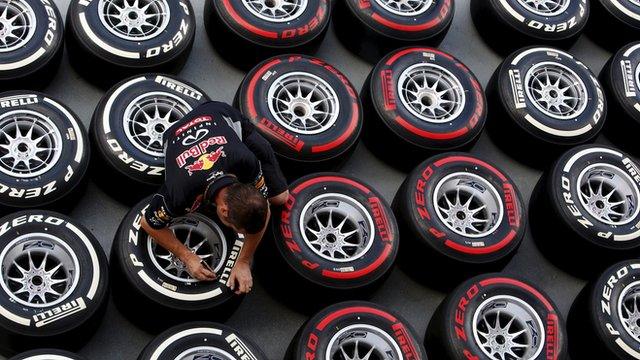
(206, 161)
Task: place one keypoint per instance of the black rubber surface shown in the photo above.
(261, 316)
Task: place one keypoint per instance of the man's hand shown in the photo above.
(196, 269)
(240, 279)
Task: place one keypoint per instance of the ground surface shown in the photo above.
(261, 316)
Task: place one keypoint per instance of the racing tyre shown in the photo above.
(372, 28)
(47, 354)
(128, 125)
(247, 32)
(461, 211)
(54, 279)
(511, 24)
(602, 320)
(619, 17)
(43, 151)
(621, 79)
(589, 200)
(336, 232)
(122, 38)
(356, 330)
(306, 108)
(201, 340)
(150, 280)
(544, 99)
(422, 100)
(494, 316)
(32, 38)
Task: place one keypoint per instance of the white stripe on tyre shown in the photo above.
(96, 40)
(107, 109)
(162, 347)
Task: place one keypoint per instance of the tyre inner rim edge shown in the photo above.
(202, 237)
(556, 90)
(362, 342)
(431, 92)
(609, 194)
(205, 353)
(276, 10)
(336, 227)
(148, 116)
(30, 144)
(406, 7)
(134, 20)
(507, 328)
(629, 310)
(468, 204)
(17, 24)
(39, 270)
(546, 7)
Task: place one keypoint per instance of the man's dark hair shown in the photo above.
(247, 207)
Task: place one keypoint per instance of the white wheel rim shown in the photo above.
(362, 342)
(556, 90)
(545, 7)
(30, 144)
(406, 7)
(431, 93)
(39, 270)
(276, 10)
(147, 118)
(134, 20)
(17, 24)
(303, 103)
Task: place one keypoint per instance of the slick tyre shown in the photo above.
(32, 39)
(43, 149)
(129, 122)
(201, 340)
(602, 318)
(496, 315)
(590, 201)
(617, 17)
(373, 28)
(511, 24)
(422, 100)
(459, 209)
(47, 354)
(159, 282)
(123, 38)
(307, 109)
(248, 32)
(54, 279)
(336, 232)
(352, 329)
(551, 115)
(621, 81)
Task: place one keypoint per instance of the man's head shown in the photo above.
(242, 208)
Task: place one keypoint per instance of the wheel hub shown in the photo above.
(134, 20)
(362, 342)
(406, 7)
(546, 7)
(629, 309)
(276, 10)
(556, 90)
(17, 24)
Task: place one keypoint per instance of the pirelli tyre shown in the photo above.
(31, 42)
(511, 24)
(589, 199)
(459, 210)
(371, 28)
(129, 122)
(546, 99)
(54, 279)
(620, 78)
(603, 318)
(496, 316)
(356, 330)
(620, 17)
(127, 37)
(47, 354)
(422, 100)
(249, 31)
(307, 109)
(336, 232)
(150, 279)
(43, 151)
(201, 340)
